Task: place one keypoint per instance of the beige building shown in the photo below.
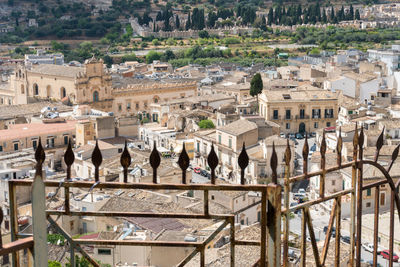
(22, 136)
(300, 110)
(135, 99)
(87, 84)
(288, 72)
(94, 128)
(228, 141)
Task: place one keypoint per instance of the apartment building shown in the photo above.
(21, 136)
(300, 110)
(228, 141)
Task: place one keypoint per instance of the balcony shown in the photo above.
(275, 118)
(305, 117)
(288, 117)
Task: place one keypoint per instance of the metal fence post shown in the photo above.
(39, 211)
(274, 225)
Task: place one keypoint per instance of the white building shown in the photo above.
(363, 87)
(41, 58)
(388, 56)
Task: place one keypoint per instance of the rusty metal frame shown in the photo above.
(273, 214)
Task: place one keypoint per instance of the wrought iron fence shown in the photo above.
(273, 248)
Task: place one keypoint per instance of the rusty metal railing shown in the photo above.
(271, 245)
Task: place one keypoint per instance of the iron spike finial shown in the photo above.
(125, 161)
(361, 138)
(288, 153)
(125, 157)
(183, 162)
(243, 162)
(97, 158)
(40, 155)
(155, 161)
(274, 164)
(379, 144)
(69, 156)
(243, 159)
(305, 155)
(305, 148)
(323, 145)
(212, 161)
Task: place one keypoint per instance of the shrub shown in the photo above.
(206, 124)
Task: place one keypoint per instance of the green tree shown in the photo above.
(212, 18)
(204, 34)
(324, 17)
(256, 85)
(188, 25)
(151, 56)
(108, 61)
(177, 22)
(357, 16)
(206, 124)
(351, 13)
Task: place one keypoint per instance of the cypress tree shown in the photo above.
(324, 18)
(357, 16)
(351, 13)
(256, 85)
(188, 25)
(332, 15)
(270, 16)
(177, 22)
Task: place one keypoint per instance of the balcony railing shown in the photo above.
(305, 117)
(272, 250)
(288, 117)
(275, 118)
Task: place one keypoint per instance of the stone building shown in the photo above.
(300, 110)
(77, 85)
(135, 99)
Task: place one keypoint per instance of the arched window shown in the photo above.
(19, 74)
(22, 89)
(95, 96)
(48, 90)
(35, 89)
(63, 92)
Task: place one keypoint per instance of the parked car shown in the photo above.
(313, 134)
(292, 254)
(313, 147)
(333, 234)
(301, 191)
(203, 173)
(292, 136)
(299, 136)
(368, 247)
(346, 239)
(385, 254)
(283, 135)
(296, 163)
(295, 204)
(297, 196)
(370, 263)
(197, 170)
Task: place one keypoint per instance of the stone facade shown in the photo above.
(75, 84)
(135, 99)
(300, 110)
